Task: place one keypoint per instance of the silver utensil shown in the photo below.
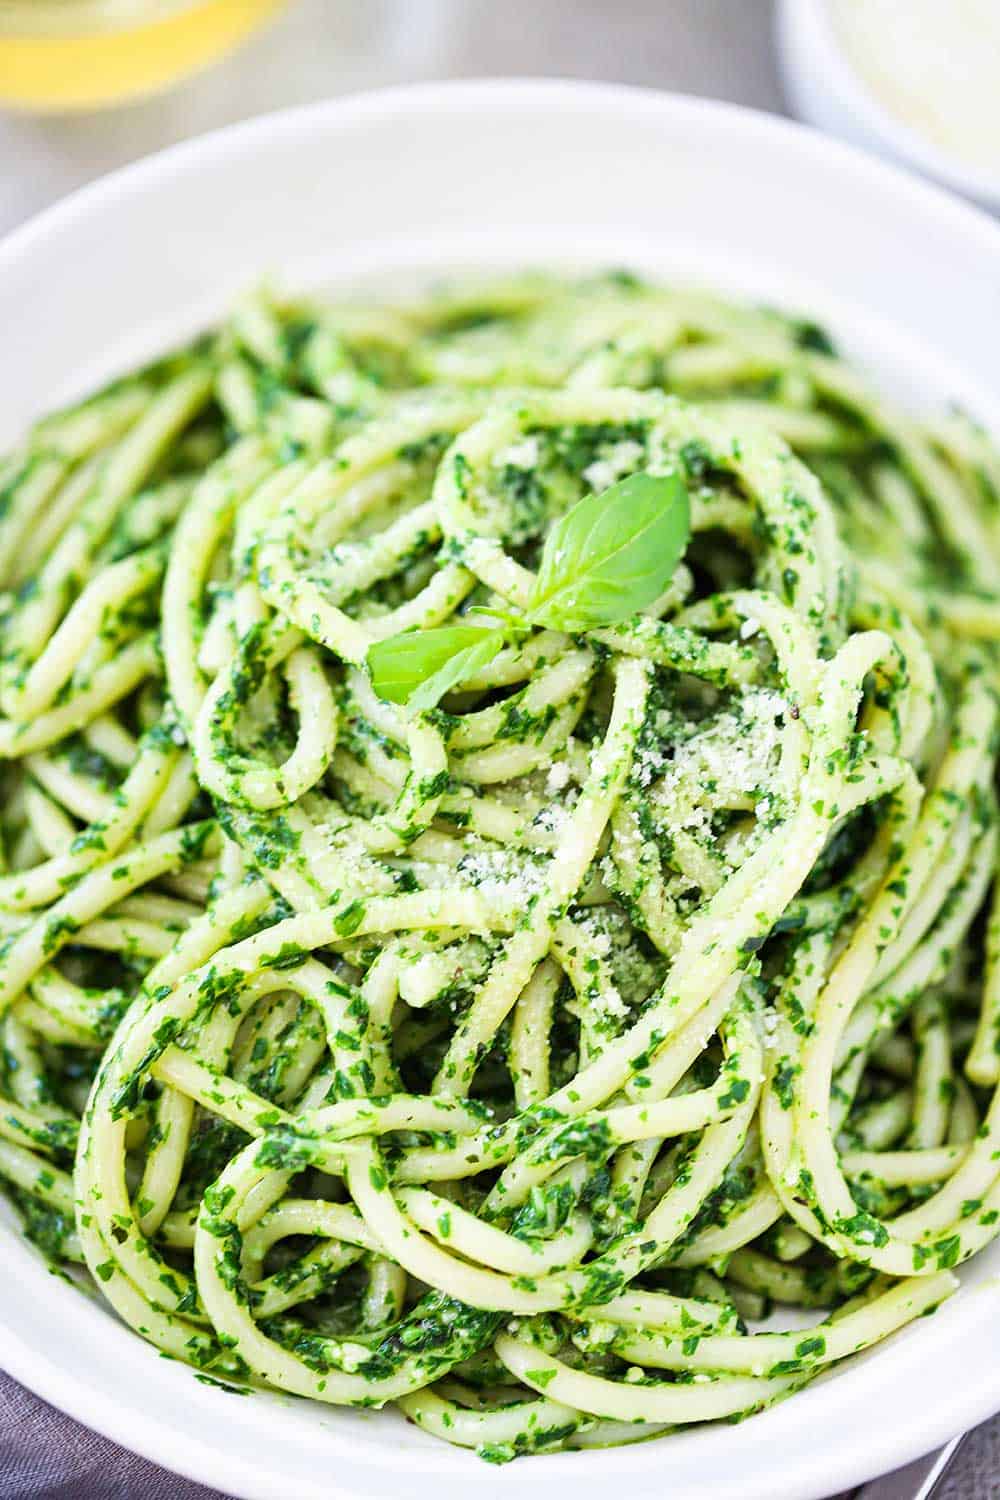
(918, 1481)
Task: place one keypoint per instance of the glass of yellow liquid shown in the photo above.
(85, 54)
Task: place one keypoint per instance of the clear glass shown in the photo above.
(86, 54)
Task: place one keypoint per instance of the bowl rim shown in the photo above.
(796, 135)
(811, 23)
(36, 1367)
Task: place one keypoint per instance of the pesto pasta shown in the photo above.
(498, 824)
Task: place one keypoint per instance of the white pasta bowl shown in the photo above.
(447, 177)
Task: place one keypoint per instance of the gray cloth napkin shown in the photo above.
(46, 1456)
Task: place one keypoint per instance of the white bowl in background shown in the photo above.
(825, 89)
(402, 183)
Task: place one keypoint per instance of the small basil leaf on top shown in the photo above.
(419, 667)
(612, 555)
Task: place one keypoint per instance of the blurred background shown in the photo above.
(304, 50)
(89, 85)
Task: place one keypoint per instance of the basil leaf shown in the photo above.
(420, 666)
(607, 558)
(612, 554)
